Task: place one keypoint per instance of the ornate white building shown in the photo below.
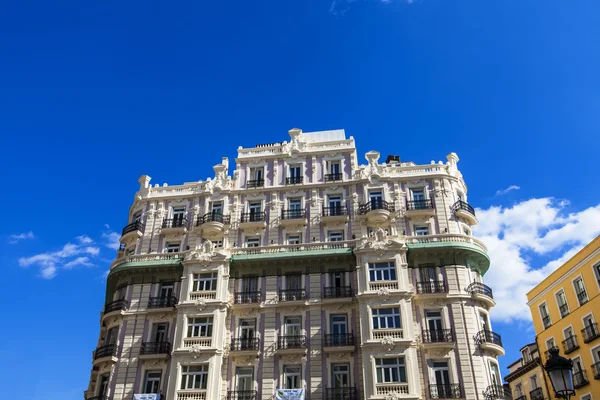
(301, 270)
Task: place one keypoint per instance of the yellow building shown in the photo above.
(565, 308)
(526, 376)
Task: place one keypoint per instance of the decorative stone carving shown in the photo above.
(391, 396)
(384, 293)
(387, 342)
(205, 255)
(195, 351)
(200, 304)
(155, 363)
(296, 145)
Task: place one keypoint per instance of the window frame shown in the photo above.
(171, 245)
(194, 328)
(146, 381)
(421, 228)
(399, 366)
(378, 319)
(341, 237)
(201, 376)
(579, 278)
(298, 375)
(197, 279)
(544, 305)
(379, 273)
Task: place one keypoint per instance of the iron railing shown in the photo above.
(291, 342)
(431, 287)
(564, 310)
(596, 370)
(292, 180)
(536, 394)
(497, 392)
(242, 395)
(213, 217)
(292, 294)
(480, 288)
(547, 322)
(98, 398)
(582, 297)
(413, 205)
(448, 391)
(256, 216)
(336, 292)
(117, 305)
(570, 344)
(343, 393)
(254, 183)
(134, 226)
(105, 351)
(339, 339)
(293, 214)
(163, 347)
(241, 344)
(333, 177)
(438, 336)
(486, 336)
(524, 397)
(334, 211)
(162, 302)
(375, 205)
(174, 223)
(580, 379)
(463, 205)
(247, 297)
(590, 332)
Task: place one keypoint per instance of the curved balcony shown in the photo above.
(293, 217)
(497, 392)
(253, 220)
(437, 336)
(570, 344)
(376, 211)
(463, 210)
(432, 287)
(117, 305)
(244, 346)
(104, 353)
(132, 232)
(580, 379)
(338, 341)
(247, 297)
(335, 214)
(490, 341)
(162, 302)
(419, 208)
(482, 293)
(242, 395)
(155, 349)
(174, 225)
(449, 391)
(291, 344)
(212, 224)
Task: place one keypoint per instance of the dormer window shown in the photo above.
(526, 353)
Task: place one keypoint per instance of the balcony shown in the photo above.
(437, 336)
(197, 341)
(293, 217)
(255, 183)
(490, 341)
(419, 208)
(132, 232)
(337, 292)
(245, 345)
(162, 302)
(582, 297)
(344, 393)
(338, 341)
(291, 344)
(294, 180)
(564, 310)
(251, 220)
(482, 292)
(393, 333)
(338, 176)
(570, 344)
(432, 287)
(376, 211)
(580, 379)
(247, 297)
(547, 322)
(192, 395)
(536, 394)
(98, 398)
(497, 392)
(590, 332)
(106, 351)
(242, 395)
(117, 305)
(212, 224)
(596, 370)
(463, 210)
(335, 214)
(174, 225)
(451, 391)
(390, 389)
(292, 295)
(203, 294)
(155, 349)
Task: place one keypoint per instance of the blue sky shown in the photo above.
(94, 95)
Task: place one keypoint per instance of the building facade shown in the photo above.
(301, 270)
(564, 308)
(526, 377)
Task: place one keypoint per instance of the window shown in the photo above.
(205, 282)
(244, 377)
(421, 230)
(200, 327)
(292, 376)
(340, 376)
(131, 251)
(152, 382)
(561, 300)
(495, 374)
(418, 195)
(334, 170)
(441, 373)
(338, 324)
(250, 284)
(292, 326)
(580, 291)
(545, 316)
(172, 247)
(526, 354)
(295, 204)
(386, 318)
(386, 232)
(550, 343)
(294, 239)
(111, 335)
(218, 243)
(252, 241)
(295, 171)
(586, 397)
(256, 177)
(382, 271)
(293, 281)
(137, 217)
(335, 202)
(335, 236)
(216, 207)
(519, 390)
(254, 208)
(165, 290)
(160, 332)
(103, 387)
(194, 376)
(390, 370)
(178, 215)
(533, 381)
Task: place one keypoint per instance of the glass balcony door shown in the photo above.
(244, 377)
(340, 376)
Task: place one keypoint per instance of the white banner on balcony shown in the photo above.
(289, 394)
(153, 396)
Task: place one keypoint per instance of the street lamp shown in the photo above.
(560, 371)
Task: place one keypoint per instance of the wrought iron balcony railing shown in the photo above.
(536, 394)
(596, 370)
(247, 297)
(547, 322)
(570, 344)
(292, 294)
(174, 223)
(590, 332)
(241, 344)
(564, 310)
(293, 214)
(117, 305)
(343, 393)
(162, 302)
(213, 217)
(334, 211)
(497, 392)
(449, 391)
(431, 287)
(336, 292)
(291, 342)
(105, 351)
(580, 379)
(463, 205)
(254, 183)
(163, 347)
(480, 288)
(438, 336)
(242, 395)
(582, 297)
(333, 177)
(134, 226)
(98, 398)
(486, 336)
(413, 205)
(292, 180)
(339, 339)
(256, 216)
(375, 205)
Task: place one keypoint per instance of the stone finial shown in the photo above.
(225, 162)
(144, 181)
(452, 158)
(295, 132)
(372, 157)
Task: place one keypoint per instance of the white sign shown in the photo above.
(289, 394)
(154, 396)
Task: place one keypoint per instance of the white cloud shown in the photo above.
(112, 240)
(48, 272)
(84, 239)
(339, 7)
(106, 226)
(16, 237)
(508, 189)
(538, 226)
(83, 261)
